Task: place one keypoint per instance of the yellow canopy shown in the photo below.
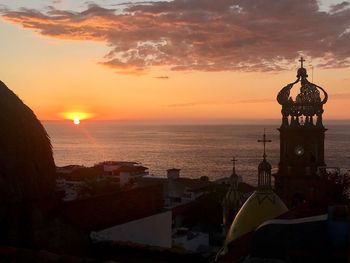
(259, 207)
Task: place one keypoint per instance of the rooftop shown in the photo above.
(103, 211)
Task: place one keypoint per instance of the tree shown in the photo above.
(337, 185)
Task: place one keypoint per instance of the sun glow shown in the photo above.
(77, 117)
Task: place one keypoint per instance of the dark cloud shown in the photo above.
(162, 77)
(204, 35)
(339, 7)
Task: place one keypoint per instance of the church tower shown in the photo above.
(233, 199)
(264, 169)
(261, 206)
(302, 137)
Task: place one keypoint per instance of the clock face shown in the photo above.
(299, 150)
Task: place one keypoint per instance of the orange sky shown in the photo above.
(54, 76)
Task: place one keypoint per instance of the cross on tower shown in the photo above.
(234, 160)
(264, 141)
(302, 60)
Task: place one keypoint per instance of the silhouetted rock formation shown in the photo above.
(27, 170)
(27, 166)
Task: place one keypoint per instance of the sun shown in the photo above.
(76, 117)
(76, 121)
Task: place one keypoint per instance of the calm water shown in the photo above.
(196, 150)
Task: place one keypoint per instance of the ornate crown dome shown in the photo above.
(306, 105)
(27, 168)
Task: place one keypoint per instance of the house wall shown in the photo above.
(175, 189)
(152, 230)
(193, 242)
(124, 178)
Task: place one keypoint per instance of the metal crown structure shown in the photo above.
(306, 105)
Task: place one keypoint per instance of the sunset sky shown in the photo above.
(183, 61)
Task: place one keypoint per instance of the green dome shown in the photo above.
(233, 197)
(259, 207)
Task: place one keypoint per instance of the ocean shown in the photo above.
(198, 150)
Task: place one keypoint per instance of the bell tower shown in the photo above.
(233, 198)
(302, 137)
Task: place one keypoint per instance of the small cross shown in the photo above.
(234, 160)
(302, 60)
(264, 141)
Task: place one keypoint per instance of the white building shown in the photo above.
(181, 190)
(70, 188)
(123, 172)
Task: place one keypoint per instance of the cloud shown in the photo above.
(162, 77)
(336, 96)
(200, 103)
(189, 104)
(203, 35)
(339, 7)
